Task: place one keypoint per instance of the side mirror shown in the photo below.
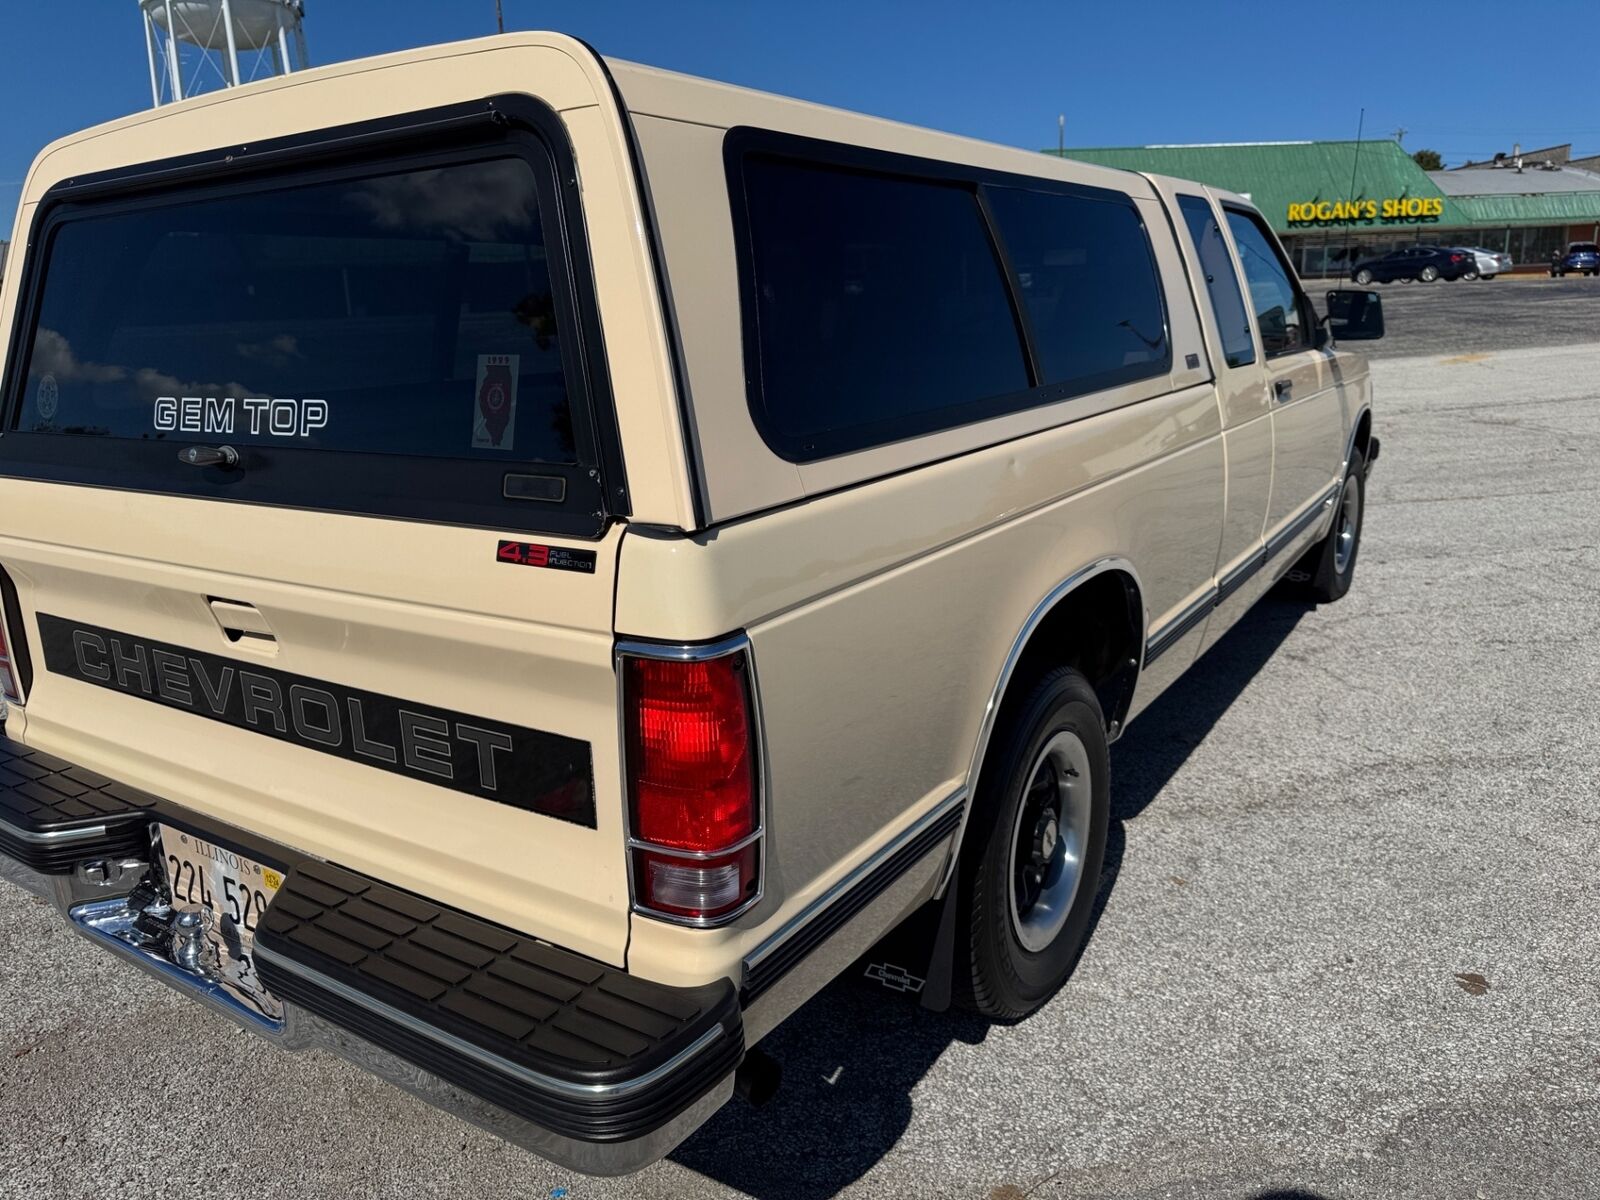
(1355, 316)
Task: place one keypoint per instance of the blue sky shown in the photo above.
(1465, 78)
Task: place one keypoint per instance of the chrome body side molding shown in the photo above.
(802, 933)
(1170, 634)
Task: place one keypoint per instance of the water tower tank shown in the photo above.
(194, 45)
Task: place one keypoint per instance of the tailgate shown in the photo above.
(304, 498)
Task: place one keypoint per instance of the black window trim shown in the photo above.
(743, 142)
(510, 125)
(1205, 284)
(1308, 322)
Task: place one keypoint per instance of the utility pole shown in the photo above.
(1400, 134)
(1355, 163)
(1061, 135)
(499, 16)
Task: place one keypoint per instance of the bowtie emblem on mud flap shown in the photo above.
(896, 979)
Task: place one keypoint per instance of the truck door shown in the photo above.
(1243, 396)
(1299, 386)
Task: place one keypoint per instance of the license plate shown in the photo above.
(235, 890)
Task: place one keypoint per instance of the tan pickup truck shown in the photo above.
(520, 567)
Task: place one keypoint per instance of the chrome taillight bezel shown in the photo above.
(693, 652)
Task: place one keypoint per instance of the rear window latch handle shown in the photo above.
(209, 456)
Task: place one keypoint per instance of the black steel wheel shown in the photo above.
(1030, 867)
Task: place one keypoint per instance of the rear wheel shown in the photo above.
(1036, 841)
(1428, 274)
(1363, 277)
(1469, 274)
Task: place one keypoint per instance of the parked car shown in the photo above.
(1486, 263)
(608, 611)
(1422, 263)
(1581, 258)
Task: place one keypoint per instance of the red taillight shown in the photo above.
(8, 670)
(1457, 257)
(694, 803)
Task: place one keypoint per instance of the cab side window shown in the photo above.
(1273, 293)
(1222, 281)
(1088, 282)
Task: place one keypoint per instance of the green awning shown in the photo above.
(1304, 187)
(1549, 208)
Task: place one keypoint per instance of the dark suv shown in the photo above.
(1581, 258)
(1424, 263)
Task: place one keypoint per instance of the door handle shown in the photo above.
(1283, 389)
(239, 620)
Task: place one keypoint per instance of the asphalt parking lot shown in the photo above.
(1488, 314)
(1348, 941)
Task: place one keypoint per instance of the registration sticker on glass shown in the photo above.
(494, 416)
(229, 893)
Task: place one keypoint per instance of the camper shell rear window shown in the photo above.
(401, 334)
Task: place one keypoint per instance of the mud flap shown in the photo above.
(917, 958)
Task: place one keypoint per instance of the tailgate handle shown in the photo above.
(209, 456)
(240, 620)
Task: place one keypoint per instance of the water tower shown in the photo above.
(197, 45)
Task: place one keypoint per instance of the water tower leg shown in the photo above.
(284, 65)
(174, 78)
(150, 52)
(233, 45)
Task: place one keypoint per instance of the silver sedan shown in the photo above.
(1488, 263)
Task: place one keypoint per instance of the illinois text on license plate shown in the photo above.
(235, 891)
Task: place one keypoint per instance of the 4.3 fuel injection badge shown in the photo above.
(552, 558)
(525, 768)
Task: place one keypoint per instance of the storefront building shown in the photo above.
(1337, 203)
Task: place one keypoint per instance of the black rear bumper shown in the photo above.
(557, 1039)
(607, 1064)
(54, 815)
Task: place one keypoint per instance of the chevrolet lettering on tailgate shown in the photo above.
(525, 768)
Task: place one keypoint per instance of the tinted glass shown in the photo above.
(880, 310)
(408, 313)
(1272, 292)
(1088, 282)
(1222, 281)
